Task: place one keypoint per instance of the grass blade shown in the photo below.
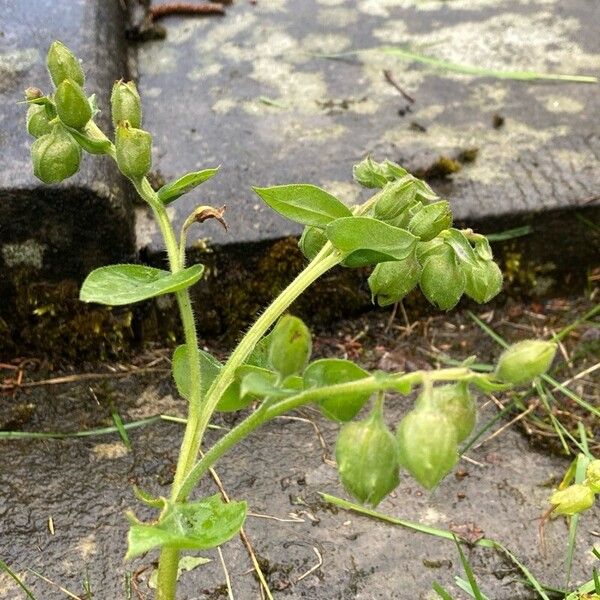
(510, 234)
(441, 592)
(17, 579)
(116, 417)
(474, 588)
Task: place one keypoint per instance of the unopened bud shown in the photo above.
(63, 64)
(427, 446)
(55, 156)
(134, 150)
(369, 173)
(391, 281)
(483, 282)
(38, 120)
(592, 474)
(72, 105)
(442, 279)
(367, 458)
(431, 220)
(523, 361)
(394, 199)
(291, 346)
(33, 93)
(311, 241)
(572, 500)
(126, 104)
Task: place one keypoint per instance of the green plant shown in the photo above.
(404, 230)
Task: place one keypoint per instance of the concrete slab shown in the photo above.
(246, 91)
(49, 233)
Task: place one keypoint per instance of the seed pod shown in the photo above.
(394, 200)
(523, 361)
(311, 242)
(391, 281)
(572, 500)
(63, 64)
(367, 459)
(134, 150)
(484, 281)
(431, 220)
(427, 446)
(72, 106)
(454, 401)
(291, 346)
(592, 474)
(332, 371)
(38, 120)
(126, 104)
(55, 156)
(442, 279)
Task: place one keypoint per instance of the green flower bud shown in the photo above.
(395, 198)
(427, 249)
(431, 220)
(367, 458)
(484, 281)
(311, 241)
(38, 120)
(427, 446)
(291, 346)
(55, 156)
(455, 402)
(72, 106)
(369, 173)
(134, 150)
(572, 500)
(63, 64)
(593, 476)
(442, 279)
(523, 361)
(391, 281)
(126, 104)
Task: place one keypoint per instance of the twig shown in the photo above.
(314, 567)
(226, 572)
(507, 425)
(390, 79)
(185, 8)
(243, 536)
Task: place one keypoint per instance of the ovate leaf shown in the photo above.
(304, 203)
(116, 285)
(462, 247)
(174, 189)
(209, 369)
(188, 525)
(369, 241)
(331, 371)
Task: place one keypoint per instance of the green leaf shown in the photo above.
(462, 248)
(331, 371)
(262, 383)
(116, 285)
(369, 241)
(209, 369)
(174, 189)
(304, 203)
(89, 142)
(441, 592)
(193, 525)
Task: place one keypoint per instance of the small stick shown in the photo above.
(390, 79)
(226, 572)
(185, 8)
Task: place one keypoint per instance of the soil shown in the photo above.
(63, 502)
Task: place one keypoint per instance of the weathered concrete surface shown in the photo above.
(85, 486)
(49, 233)
(246, 92)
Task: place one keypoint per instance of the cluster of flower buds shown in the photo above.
(578, 497)
(133, 145)
(446, 262)
(63, 123)
(56, 154)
